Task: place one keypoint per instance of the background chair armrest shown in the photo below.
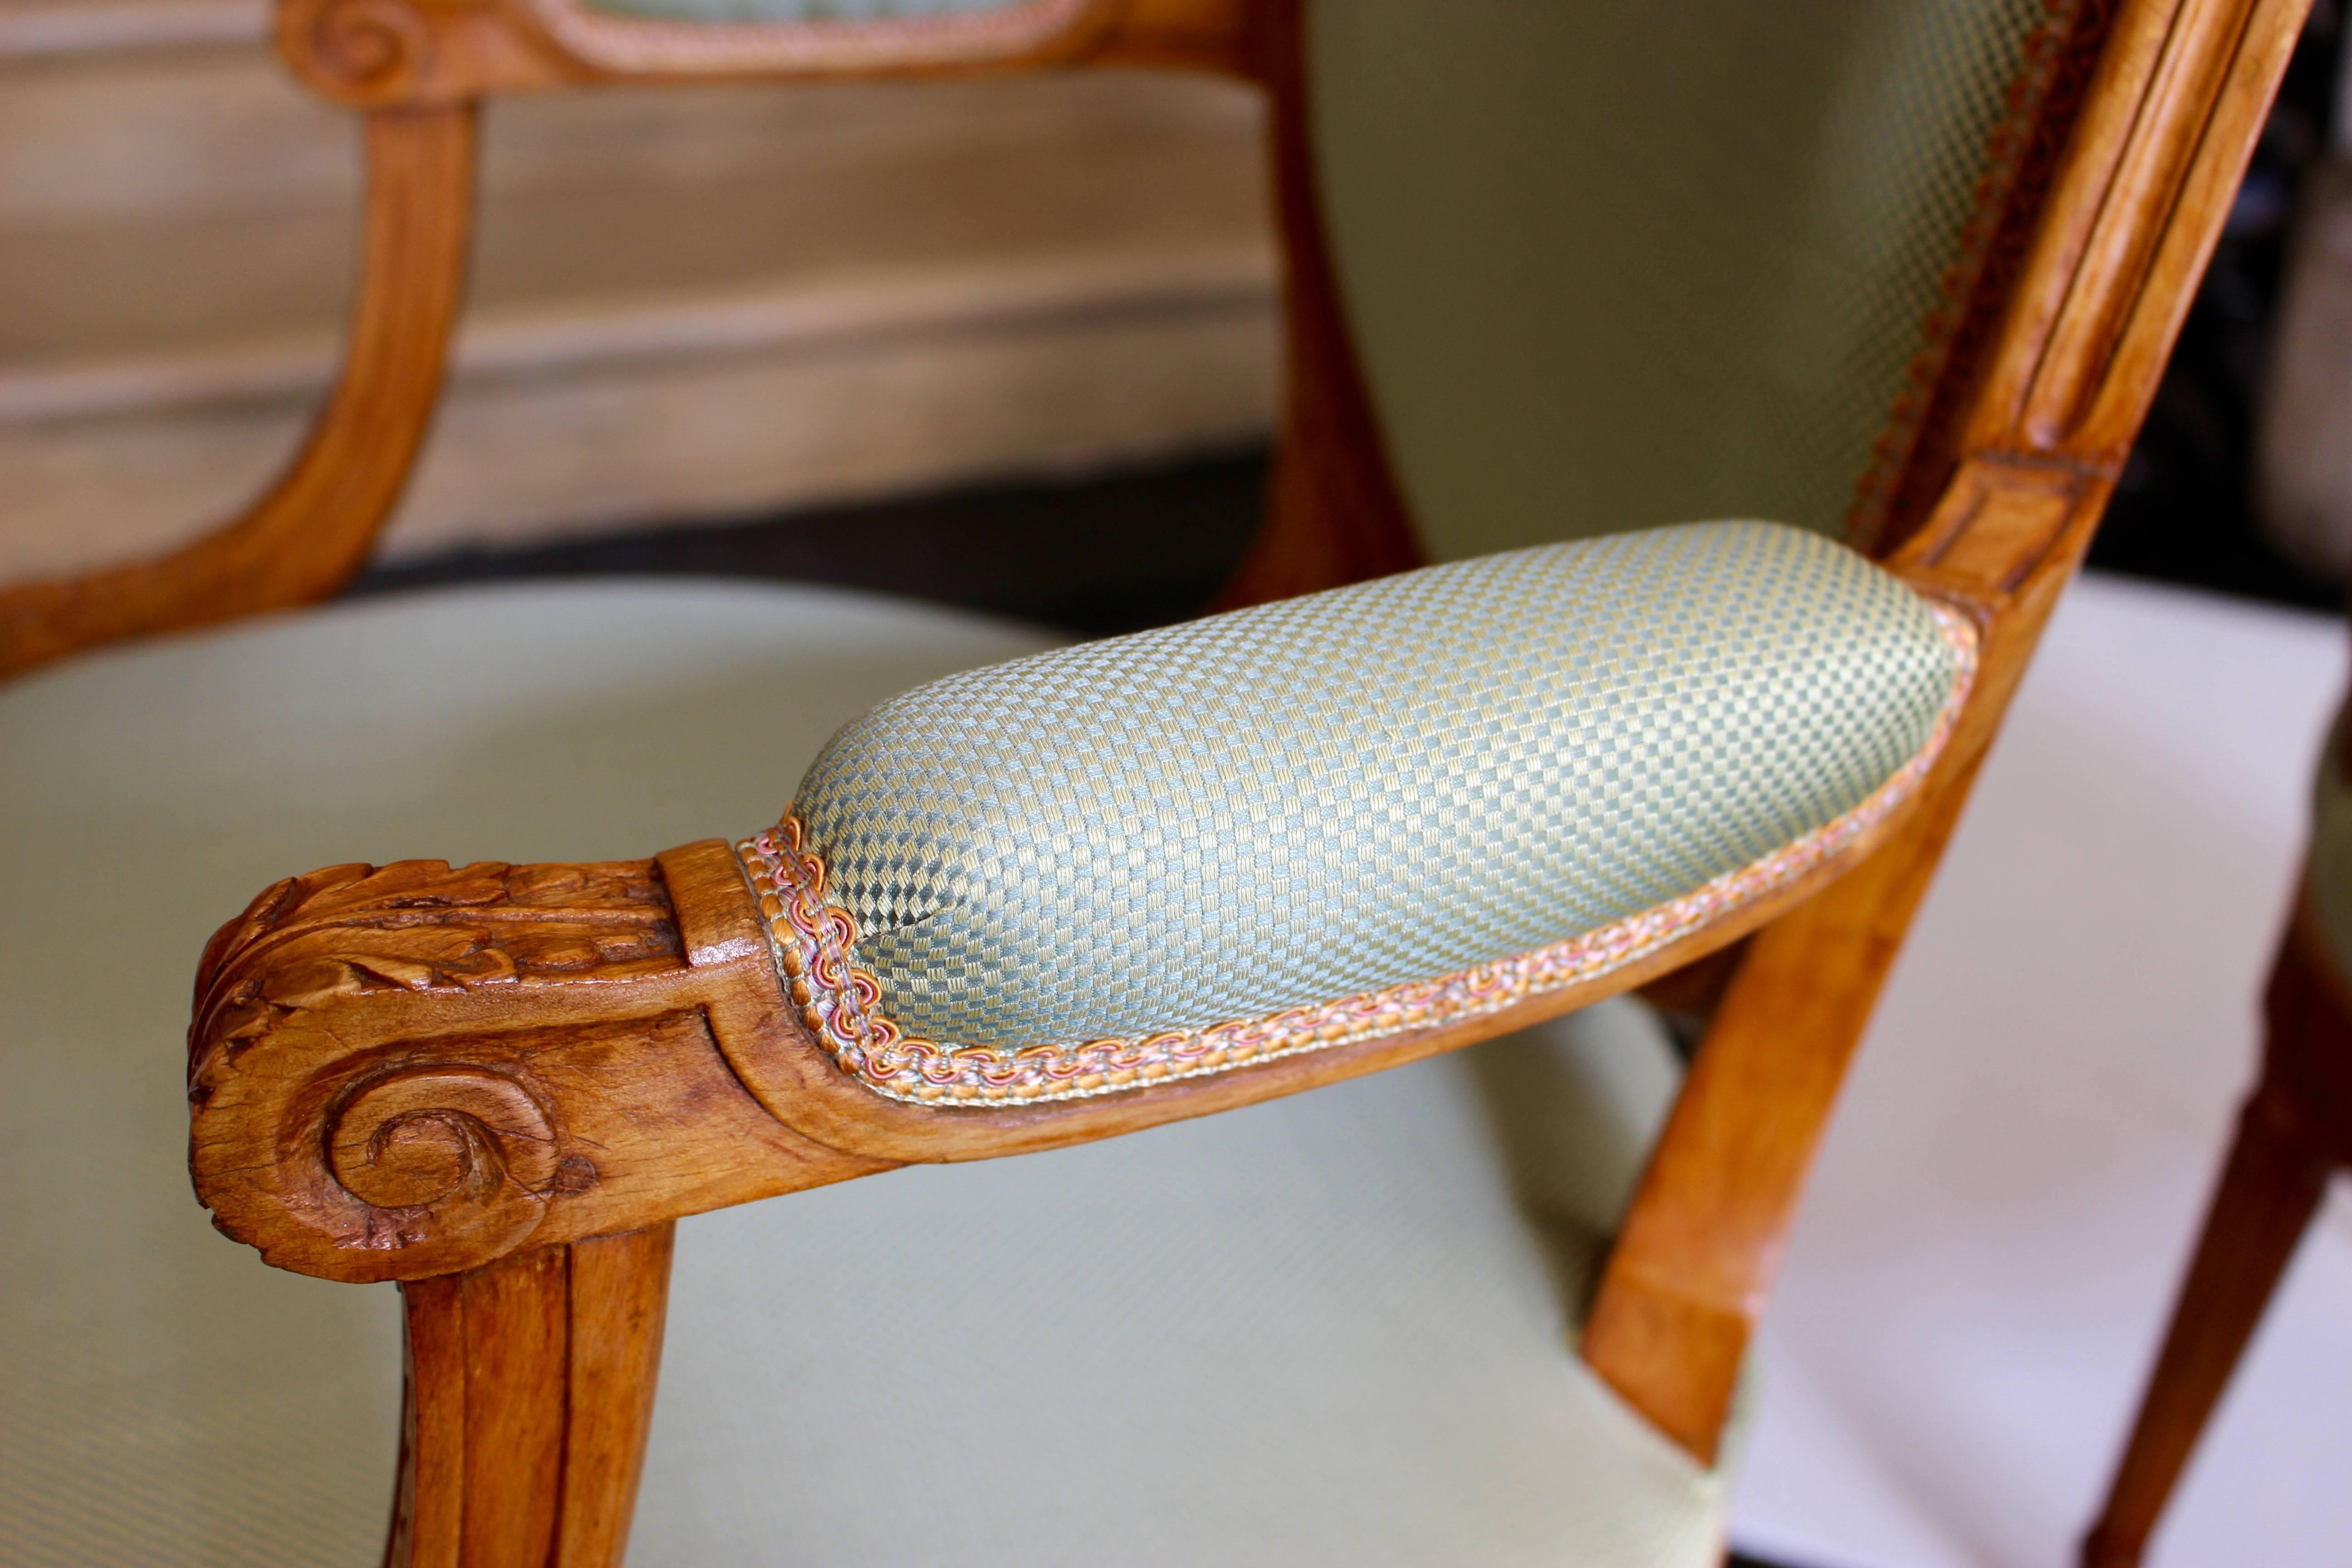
(376, 53)
(421, 67)
(312, 533)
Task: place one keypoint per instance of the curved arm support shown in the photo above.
(529, 1395)
(1334, 514)
(312, 533)
(499, 1084)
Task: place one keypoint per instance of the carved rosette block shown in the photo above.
(360, 52)
(409, 1070)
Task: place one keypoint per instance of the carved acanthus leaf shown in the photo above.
(424, 926)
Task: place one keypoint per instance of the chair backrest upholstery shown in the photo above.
(1609, 264)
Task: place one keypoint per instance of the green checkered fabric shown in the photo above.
(1382, 783)
(1611, 264)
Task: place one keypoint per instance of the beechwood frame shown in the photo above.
(367, 1107)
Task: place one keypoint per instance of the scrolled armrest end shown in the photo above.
(408, 1070)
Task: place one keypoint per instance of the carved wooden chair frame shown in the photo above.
(394, 1072)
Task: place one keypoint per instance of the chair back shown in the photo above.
(1609, 265)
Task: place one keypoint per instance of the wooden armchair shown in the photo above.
(1913, 279)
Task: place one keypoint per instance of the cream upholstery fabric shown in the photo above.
(1337, 1339)
(1344, 1335)
(1354, 790)
(1612, 264)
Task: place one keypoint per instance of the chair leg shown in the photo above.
(529, 1393)
(2268, 1192)
(1702, 1242)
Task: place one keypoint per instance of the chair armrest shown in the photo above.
(381, 54)
(402, 1072)
(311, 534)
(422, 67)
(1078, 894)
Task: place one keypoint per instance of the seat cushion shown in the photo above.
(1333, 1329)
(1344, 1331)
(1422, 798)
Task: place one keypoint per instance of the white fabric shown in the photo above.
(1996, 1225)
(1332, 1328)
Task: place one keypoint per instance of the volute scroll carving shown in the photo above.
(420, 1136)
(410, 1071)
(392, 1164)
(377, 48)
(394, 54)
(371, 53)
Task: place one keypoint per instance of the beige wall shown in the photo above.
(686, 304)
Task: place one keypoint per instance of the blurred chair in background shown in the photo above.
(1903, 274)
(2302, 459)
(681, 306)
(2295, 1131)
(2294, 1134)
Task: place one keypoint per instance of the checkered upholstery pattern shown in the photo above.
(1609, 264)
(1335, 793)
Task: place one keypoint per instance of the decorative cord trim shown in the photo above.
(813, 940)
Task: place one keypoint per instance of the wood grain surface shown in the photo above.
(1334, 513)
(528, 1396)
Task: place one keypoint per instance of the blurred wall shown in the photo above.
(686, 304)
(2303, 462)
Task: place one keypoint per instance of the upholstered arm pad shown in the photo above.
(1315, 821)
